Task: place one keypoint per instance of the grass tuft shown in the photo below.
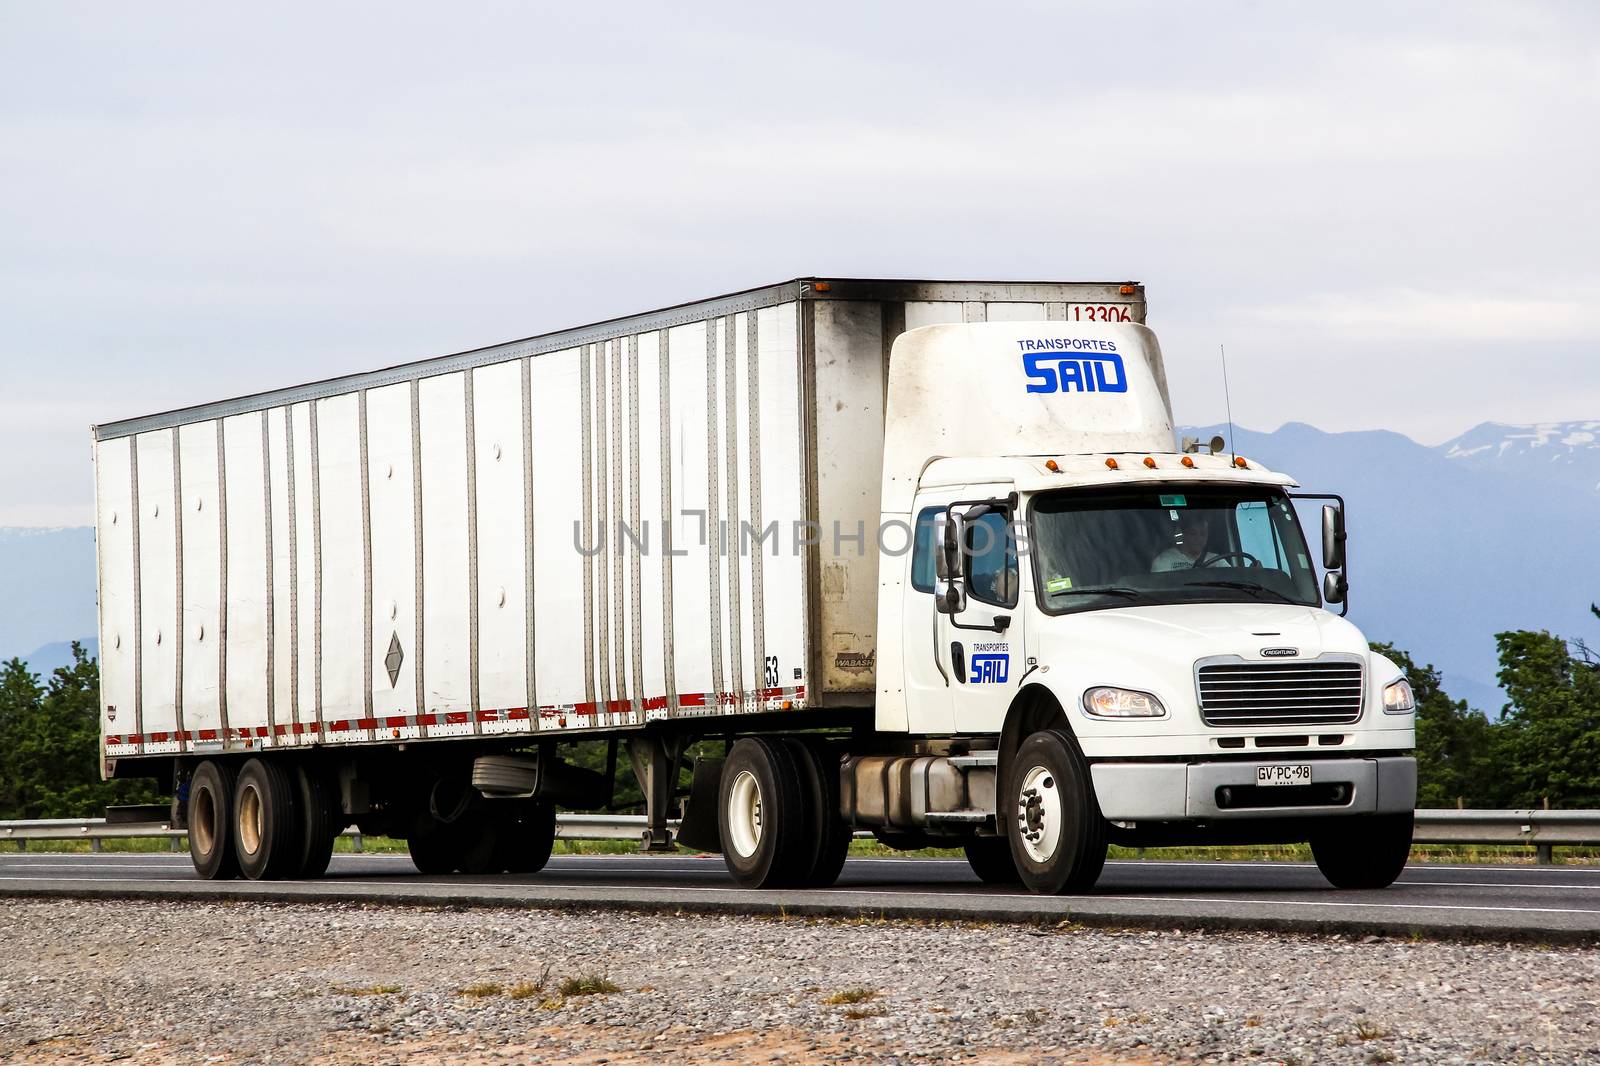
(1367, 1031)
(591, 984)
(369, 990)
(850, 995)
(482, 990)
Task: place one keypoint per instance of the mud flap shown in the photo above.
(701, 829)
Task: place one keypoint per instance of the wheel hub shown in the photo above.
(1038, 813)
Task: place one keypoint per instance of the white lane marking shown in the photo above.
(81, 866)
(925, 898)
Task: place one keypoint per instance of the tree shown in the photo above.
(1455, 744)
(1551, 741)
(50, 745)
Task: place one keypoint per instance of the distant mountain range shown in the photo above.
(47, 592)
(1449, 545)
(1493, 530)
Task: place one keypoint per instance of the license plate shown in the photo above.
(1284, 774)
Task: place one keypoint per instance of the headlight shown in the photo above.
(1398, 698)
(1122, 703)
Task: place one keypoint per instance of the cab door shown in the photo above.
(930, 707)
(982, 644)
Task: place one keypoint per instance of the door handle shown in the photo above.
(958, 660)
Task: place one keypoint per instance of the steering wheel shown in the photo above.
(1246, 560)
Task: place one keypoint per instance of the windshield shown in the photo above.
(1205, 543)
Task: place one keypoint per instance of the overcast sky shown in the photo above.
(1388, 212)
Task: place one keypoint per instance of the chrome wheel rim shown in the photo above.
(744, 814)
(1038, 815)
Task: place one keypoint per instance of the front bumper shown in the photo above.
(1194, 791)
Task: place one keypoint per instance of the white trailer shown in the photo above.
(395, 598)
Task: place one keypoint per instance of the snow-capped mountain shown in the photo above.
(1567, 453)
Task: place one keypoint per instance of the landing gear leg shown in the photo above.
(655, 763)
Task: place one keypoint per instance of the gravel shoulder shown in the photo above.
(158, 983)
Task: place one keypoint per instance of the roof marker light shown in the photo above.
(1149, 462)
(1111, 464)
(1126, 290)
(1050, 465)
(1187, 461)
(1238, 461)
(822, 286)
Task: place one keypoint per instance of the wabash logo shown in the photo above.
(990, 668)
(1072, 364)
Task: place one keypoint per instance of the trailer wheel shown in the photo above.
(430, 845)
(211, 822)
(267, 828)
(1365, 852)
(524, 836)
(319, 822)
(825, 841)
(990, 858)
(763, 819)
(1058, 838)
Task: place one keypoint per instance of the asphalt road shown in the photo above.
(1539, 903)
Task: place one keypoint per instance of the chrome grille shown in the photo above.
(1308, 692)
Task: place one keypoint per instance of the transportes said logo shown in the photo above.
(991, 664)
(1072, 364)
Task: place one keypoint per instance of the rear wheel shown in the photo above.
(524, 836)
(1364, 852)
(211, 822)
(319, 822)
(430, 844)
(762, 821)
(825, 840)
(1058, 838)
(990, 858)
(267, 831)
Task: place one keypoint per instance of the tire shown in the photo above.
(266, 820)
(1364, 852)
(430, 845)
(524, 837)
(1057, 836)
(762, 814)
(825, 841)
(211, 822)
(466, 845)
(990, 858)
(319, 822)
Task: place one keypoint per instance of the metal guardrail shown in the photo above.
(94, 830)
(1542, 830)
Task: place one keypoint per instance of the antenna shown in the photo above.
(1228, 400)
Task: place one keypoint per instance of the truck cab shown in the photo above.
(1133, 641)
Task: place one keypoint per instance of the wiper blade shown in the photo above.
(1101, 590)
(1245, 586)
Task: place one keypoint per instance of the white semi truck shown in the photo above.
(915, 557)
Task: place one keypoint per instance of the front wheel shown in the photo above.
(1364, 852)
(1058, 838)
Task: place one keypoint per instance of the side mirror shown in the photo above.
(1334, 587)
(1332, 539)
(950, 533)
(949, 596)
